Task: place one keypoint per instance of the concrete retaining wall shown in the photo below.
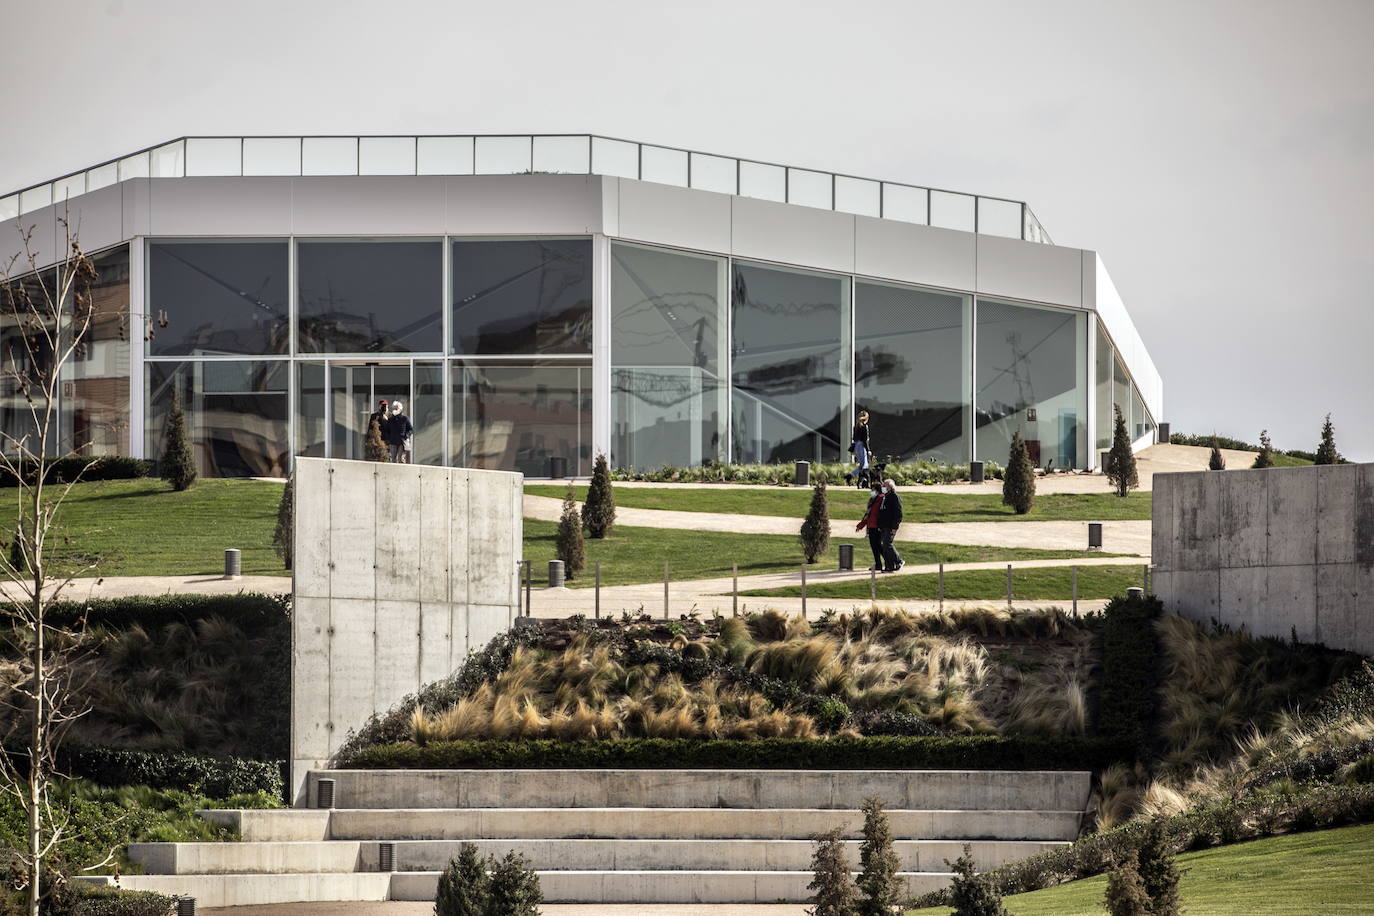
(400, 570)
(1278, 551)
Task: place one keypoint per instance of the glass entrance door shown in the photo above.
(354, 390)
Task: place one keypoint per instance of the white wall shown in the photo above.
(400, 570)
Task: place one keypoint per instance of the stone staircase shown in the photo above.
(612, 836)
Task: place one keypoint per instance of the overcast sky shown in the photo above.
(1220, 156)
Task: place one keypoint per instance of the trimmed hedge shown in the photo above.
(216, 777)
(152, 611)
(85, 468)
(1131, 661)
(886, 753)
(112, 901)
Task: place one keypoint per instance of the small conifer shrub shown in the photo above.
(463, 884)
(283, 537)
(970, 893)
(880, 890)
(815, 529)
(1216, 462)
(1265, 458)
(513, 887)
(1120, 469)
(834, 893)
(178, 464)
(1126, 894)
(568, 544)
(1018, 482)
(1159, 873)
(598, 512)
(1326, 451)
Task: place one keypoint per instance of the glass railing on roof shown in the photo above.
(580, 154)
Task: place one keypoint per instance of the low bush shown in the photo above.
(87, 900)
(215, 777)
(904, 473)
(977, 752)
(81, 467)
(250, 611)
(1128, 707)
(470, 886)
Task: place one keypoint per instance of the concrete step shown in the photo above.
(246, 890)
(552, 855)
(653, 823)
(973, 790)
(267, 824)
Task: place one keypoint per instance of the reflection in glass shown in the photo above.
(370, 297)
(26, 358)
(1139, 424)
(1103, 374)
(791, 348)
(310, 400)
(1030, 360)
(999, 217)
(271, 156)
(502, 155)
(329, 156)
(1121, 390)
(516, 417)
(522, 297)
(218, 297)
(95, 380)
(562, 154)
(354, 392)
(668, 400)
(426, 411)
(910, 350)
(386, 156)
(236, 415)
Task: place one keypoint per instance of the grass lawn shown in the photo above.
(849, 503)
(144, 528)
(633, 555)
(1326, 871)
(1037, 584)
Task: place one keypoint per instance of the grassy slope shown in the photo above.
(1322, 872)
(633, 555)
(978, 585)
(849, 504)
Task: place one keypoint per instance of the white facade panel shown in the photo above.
(804, 236)
(97, 218)
(910, 253)
(523, 204)
(674, 216)
(219, 206)
(368, 206)
(1127, 339)
(1027, 270)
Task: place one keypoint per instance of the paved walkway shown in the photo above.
(548, 909)
(126, 586)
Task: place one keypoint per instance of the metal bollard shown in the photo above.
(1008, 586)
(1094, 535)
(802, 477)
(1135, 593)
(598, 589)
(529, 576)
(324, 793)
(556, 573)
(386, 856)
(847, 556)
(665, 591)
(233, 564)
(186, 906)
(942, 586)
(975, 472)
(873, 586)
(1145, 579)
(1075, 591)
(803, 593)
(734, 589)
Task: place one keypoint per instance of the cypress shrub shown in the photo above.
(1216, 462)
(598, 512)
(1126, 895)
(1018, 485)
(178, 463)
(1159, 873)
(1120, 469)
(1265, 458)
(463, 885)
(513, 887)
(1131, 661)
(815, 530)
(568, 545)
(834, 891)
(1326, 451)
(880, 889)
(283, 536)
(970, 893)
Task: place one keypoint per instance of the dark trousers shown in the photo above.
(891, 559)
(875, 541)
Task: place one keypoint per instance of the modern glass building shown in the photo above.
(551, 297)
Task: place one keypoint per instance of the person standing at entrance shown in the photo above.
(889, 520)
(399, 433)
(374, 440)
(869, 523)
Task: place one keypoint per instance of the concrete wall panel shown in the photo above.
(398, 652)
(486, 621)
(1162, 538)
(491, 572)
(1029, 270)
(915, 254)
(1197, 593)
(667, 215)
(352, 665)
(523, 204)
(768, 231)
(368, 206)
(1336, 512)
(1242, 593)
(1364, 610)
(436, 641)
(1337, 605)
(1292, 508)
(460, 587)
(352, 529)
(219, 206)
(1197, 507)
(399, 511)
(1244, 518)
(310, 697)
(1290, 605)
(433, 533)
(310, 569)
(1364, 517)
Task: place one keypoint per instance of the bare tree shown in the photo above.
(46, 314)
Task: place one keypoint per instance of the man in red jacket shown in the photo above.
(870, 522)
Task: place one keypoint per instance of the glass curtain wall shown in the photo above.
(95, 380)
(791, 344)
(911, 347)
(25, 357)
(1102, 374)
(218, 297)
(516, 417)
(522, 296)
(1121, 390)
(370, 296)
(236, 414)
(1030, 363)
(668, 325)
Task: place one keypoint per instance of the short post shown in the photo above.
(802, 476)
(734, 589)
(386, 857)
(847, 556)
(529, 585)
(1145, 579)
(324, 793)
(665, 591)
(975, 472)
(1134, 593)
(1075, 589)
(233, 564)
(942, 586)
(186, 906)
(803, 592)
(1008, 586)
(1148, 584)
(598, 589)
(1094, 535)
(873, 586)
(557, 573)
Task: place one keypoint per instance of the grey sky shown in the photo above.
(1220, 156)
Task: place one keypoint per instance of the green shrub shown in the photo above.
(880, 890)
(1128, 708)
(178, 462)
(972, 894)
(87, 900)
(1265, 458)
(815, 529)
(463, 885)
(598, 512)
(251, 611)
(81, 467)
(1159, 873)
(470, 886)
(980, 752)
(833, 889)
(1216, 461)
(904, 473)
(513, 887)
(1018, 486)
(1120, 468)
(568, 544)
(1326, 451)
(283, 536)
(212, 776)
(1126, 895)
